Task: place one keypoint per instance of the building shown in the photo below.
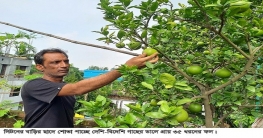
(12, 71)
(94, 73)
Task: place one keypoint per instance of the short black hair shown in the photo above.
(38, 58)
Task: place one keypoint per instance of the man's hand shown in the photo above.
(141, 60)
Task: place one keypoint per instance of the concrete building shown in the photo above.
(12, 71)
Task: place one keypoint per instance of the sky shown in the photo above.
(72, 19)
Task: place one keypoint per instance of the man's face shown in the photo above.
(55, 65)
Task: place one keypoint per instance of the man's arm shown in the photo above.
(88, 85)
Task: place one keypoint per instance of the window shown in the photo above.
(20, 71)
(23, 68)
(14, 92)
(3, 69)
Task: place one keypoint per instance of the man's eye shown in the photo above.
(55, 62)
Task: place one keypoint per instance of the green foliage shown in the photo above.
(19, 72)
(22, 48)
(5, 108)
(97, 68)
(4, 85)
(33, 69)
(74, 75)
(106, 91)
(32, 76)
(210, 33)
(145, 115)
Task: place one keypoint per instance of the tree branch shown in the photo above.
(243, 73)
(71, 41)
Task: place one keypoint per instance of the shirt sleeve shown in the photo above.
(43, 90)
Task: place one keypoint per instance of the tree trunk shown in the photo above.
(258, 123)
(208, 113)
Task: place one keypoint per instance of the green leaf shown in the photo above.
(144, 34)
(165, 108)
(176, 110)
(219, 103)
(101, 99)
(101, 113)
(156, 71)
(251, 88)
(237, 103)
(161, 102)
(167, 79)
(80, 110)
(181, 83)
(118, 7)
(184, 88)
(212, 5)
(123, 126)
(121, 33)
(234, 108)
(136, 108)
(142, 125)
(120, 119)
(183, 101)
(127, 2)
(149, 65)
(172, 121)
(256, 114)
(3, 112)
(18, 124)
(154, 6)
(147, 85)
(130, 118)
(110, 124)
(167, 86)
(259, 94)
(100, 122)
(156, 115)
(2, 38)
(165, 40)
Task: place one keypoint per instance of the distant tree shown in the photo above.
(20, 42)
(97, 68)
(33, 69)
(74, 75)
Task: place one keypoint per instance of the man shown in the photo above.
(49, 102)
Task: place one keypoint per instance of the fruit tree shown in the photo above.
(221, 39)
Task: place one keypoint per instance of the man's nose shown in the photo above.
(64, 64)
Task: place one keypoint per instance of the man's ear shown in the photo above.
(40, 67)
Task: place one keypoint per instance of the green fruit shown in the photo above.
(240, 56)
(153, 102)
(134, 45)
(195, 108)
(259, 33)
(207, 52)
(120, 45)
(223, 73)
(194, 70)
(239, 7)
(149, 51)
(200, 43)
(182, 116)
